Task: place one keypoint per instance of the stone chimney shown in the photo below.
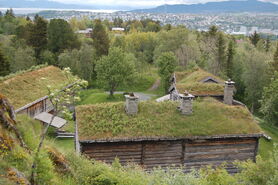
(186, 103)
(229, 92)
(131, 104)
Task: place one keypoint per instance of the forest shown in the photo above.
(144, 54)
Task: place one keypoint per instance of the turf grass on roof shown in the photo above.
(30, 86)
(191, 81)
(210, 118)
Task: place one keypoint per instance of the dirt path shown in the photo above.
(155, 85)
(142, 96)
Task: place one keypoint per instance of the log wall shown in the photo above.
(36, 107)
(188, 153)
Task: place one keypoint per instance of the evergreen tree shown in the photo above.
(213, 31)
(267, 44)
(37, 35)
(100, 39)
(221, 56)
(61, 36)
(230, 58)
(10, 13)
(4, 65)
(28, 18)
(117, 22)
(255, 38)
(275, 59)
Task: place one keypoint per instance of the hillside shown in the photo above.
(215, 7)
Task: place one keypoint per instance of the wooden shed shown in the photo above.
(159, 135)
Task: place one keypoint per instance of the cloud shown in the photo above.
(141, 3)
(134, 3)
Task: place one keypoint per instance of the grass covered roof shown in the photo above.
(30, 86)
(210, 118)
(192, 82)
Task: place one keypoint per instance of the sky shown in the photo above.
(140, 3)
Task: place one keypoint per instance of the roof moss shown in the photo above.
(192, 82)
(30, 86)
(210, 117)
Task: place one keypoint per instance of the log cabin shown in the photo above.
(197, 82)
(27, 92)
(186, 133)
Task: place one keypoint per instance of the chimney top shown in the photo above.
(186, 95)
(131, 104)
(230, 82)
(186, 103)
(229, 92)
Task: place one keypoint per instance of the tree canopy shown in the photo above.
(166, 64)
(100, 39)
(61, 36)
(115, 69)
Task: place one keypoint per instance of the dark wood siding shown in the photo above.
(189, 153)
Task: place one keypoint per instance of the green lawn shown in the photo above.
(93, 96)
(266, 146)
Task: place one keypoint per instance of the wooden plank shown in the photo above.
(113, 154)
(111, 146)
(219, 148)
(108, 150)
(219, 152)
(223, 142)
(223, 158)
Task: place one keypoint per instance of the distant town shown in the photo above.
(231, 23)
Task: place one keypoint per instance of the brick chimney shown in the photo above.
(186, 103)
(131, 104)
(229, 92)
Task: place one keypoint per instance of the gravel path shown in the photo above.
(142, 96)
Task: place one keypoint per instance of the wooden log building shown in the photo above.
(153, 134)
(27, 91)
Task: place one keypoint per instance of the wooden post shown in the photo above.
(256, 149)
(183, 152)
(143, 149)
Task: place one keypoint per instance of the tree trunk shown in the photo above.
(111, 93)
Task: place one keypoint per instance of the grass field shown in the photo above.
(266, 147)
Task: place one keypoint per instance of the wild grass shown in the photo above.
(27, 87)
(266, 147)
(210, 117)
(142, 81)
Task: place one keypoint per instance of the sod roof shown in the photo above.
(192, 82)
(30, 86)
(210, 118)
